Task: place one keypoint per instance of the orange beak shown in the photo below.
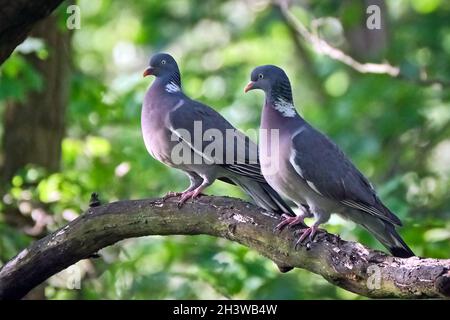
(249, 86)
(148, 72)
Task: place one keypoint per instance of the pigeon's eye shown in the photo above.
(163, 61)
(260, 76)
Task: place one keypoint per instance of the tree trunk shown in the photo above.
(33, 129)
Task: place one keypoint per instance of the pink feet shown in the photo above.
(307, 232)
(171, 194)
(185, 196)
(288, 221)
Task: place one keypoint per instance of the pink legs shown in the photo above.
(194, 190)
(185, 196)
(289, 221)
(309, 232)
(172, 194)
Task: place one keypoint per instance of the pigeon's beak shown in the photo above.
(249, 86)
(148, 71)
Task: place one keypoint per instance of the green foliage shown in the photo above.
(395, 131)
(18, 78)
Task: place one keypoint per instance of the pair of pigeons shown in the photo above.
(310, 169)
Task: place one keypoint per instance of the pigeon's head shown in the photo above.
(270, 79)
(161, 64)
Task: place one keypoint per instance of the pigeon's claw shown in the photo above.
(171, 194)
(309, 233)
(185, 196)
(288, 221)
(197, 193)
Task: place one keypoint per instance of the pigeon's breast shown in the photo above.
(276, 168)
(157, 137)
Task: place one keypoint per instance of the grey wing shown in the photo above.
(327, 170)
(237, 153)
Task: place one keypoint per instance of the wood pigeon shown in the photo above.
(179, 131)
(311, 169)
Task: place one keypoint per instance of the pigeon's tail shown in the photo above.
(396, 246)
(385, 233)
(264, 195)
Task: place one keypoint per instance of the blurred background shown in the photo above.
(70, 104)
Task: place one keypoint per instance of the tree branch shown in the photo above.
(322, 47)
(348, 265)
(17, 17)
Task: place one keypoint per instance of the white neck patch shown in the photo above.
(286, 108)
(171, 87)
